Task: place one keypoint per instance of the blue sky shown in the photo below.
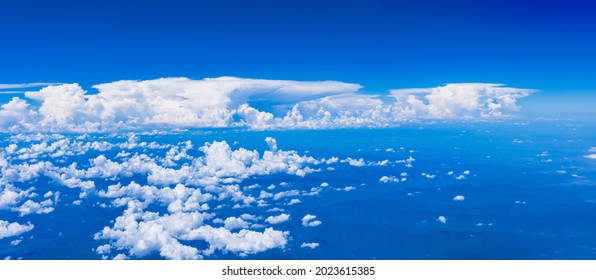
(546, 45)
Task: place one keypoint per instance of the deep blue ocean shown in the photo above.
(524, 190)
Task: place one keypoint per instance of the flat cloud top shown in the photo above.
(231, 102)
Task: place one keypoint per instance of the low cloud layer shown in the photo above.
(253, 103)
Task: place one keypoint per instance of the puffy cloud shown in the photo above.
(277, 219)
(219, 165)
(459, 198)
(389, 179)
(232, 223)
(13, 229)
(243, 242)
(31, 207)
(466, 100)
(354, 162)
(170, 101)
(283, 194)
(591, 156)
(11, 196)
(294, 201)
(142, 233)
(62, 105)
(13, 112)
(228, 102)
(442, 219)
(310, 245)
(309, 221)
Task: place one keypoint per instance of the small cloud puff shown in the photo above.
(459, 198)
(309, 221)
(8, 229)
(389, 179)
(310, 245)
(277, 219)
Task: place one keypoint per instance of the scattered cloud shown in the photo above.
(278, 219)
(232, 223)
(465, 100)
(311, 245)
(8, 229)
(309, 221)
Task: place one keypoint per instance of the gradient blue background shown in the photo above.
(546, 45)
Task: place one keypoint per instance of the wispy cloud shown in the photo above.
(27, 85)
(12, 92)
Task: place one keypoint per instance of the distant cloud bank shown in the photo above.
(252, 103)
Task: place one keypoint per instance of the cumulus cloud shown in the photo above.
(142, 233)
(467, 100)
(13, 112)
(230, 102)
(169, 101)
(389, 179)
(180, 185)
(243, 242)
(277, 219)
(310, 245)
(8, 229)
(459, 198)
(231, 223)
(309, 221)
(32, 207)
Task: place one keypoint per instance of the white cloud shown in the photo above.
(232, 223)
(243, 242)
(459, 198)
(310, 245)
(226, 102)
(294, 201)
(283, 194)
(309, 221)
(8, 229)
(354, 162)
(11, 196)
(466, 100)
(13, 112)
(142, 233)
(26, 85)
(171, 204)
(32, 207)
(169, 101)
(442, 219)
(278, 219)
(591, 156)
(389, 179)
